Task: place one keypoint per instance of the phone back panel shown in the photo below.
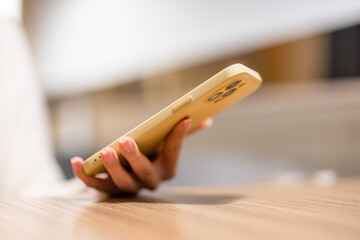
(220, 91)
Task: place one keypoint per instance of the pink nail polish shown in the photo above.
(107, 156)
(209, 122)
(125, 144)
(76, 166)
(186, 125)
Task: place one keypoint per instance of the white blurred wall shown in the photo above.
(84, 45)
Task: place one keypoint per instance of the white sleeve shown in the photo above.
(27, 164)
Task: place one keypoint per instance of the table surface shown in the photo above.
(259, 211)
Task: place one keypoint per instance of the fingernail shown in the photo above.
(125, 144)
(106, 155)
(73, 163)
(209, 122)
(186, 125)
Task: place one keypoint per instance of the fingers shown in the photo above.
(172, 146)
(205, 124)
(147, 174)
(105, 185)
(140, 164)
(122, 179)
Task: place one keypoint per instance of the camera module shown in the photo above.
(229, 92)
(232, 85)
(215, 96)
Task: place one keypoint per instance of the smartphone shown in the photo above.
(209, 98)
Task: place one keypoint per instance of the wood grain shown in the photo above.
(265, 211)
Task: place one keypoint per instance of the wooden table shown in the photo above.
(264, 211)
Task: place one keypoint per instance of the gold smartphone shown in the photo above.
(220, 91)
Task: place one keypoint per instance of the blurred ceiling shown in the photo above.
(85, 45)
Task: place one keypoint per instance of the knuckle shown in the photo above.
(169, 174)
(179, 135)
(125, 185)
(174, 147)
(146, 172)
(154, 185)
(91, 184)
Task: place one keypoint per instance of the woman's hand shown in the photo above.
(146, 173)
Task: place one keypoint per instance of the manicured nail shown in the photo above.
(77, 167)
(186, 125)
(209, 122)
(106, 155)
(125, 144)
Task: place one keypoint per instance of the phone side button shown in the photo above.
(181, 104)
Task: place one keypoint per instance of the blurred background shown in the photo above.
(106, 66)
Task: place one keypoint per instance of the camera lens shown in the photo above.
(232, 85)
(229, 92)
(215, 96)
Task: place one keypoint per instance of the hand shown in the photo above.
(146, 173)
